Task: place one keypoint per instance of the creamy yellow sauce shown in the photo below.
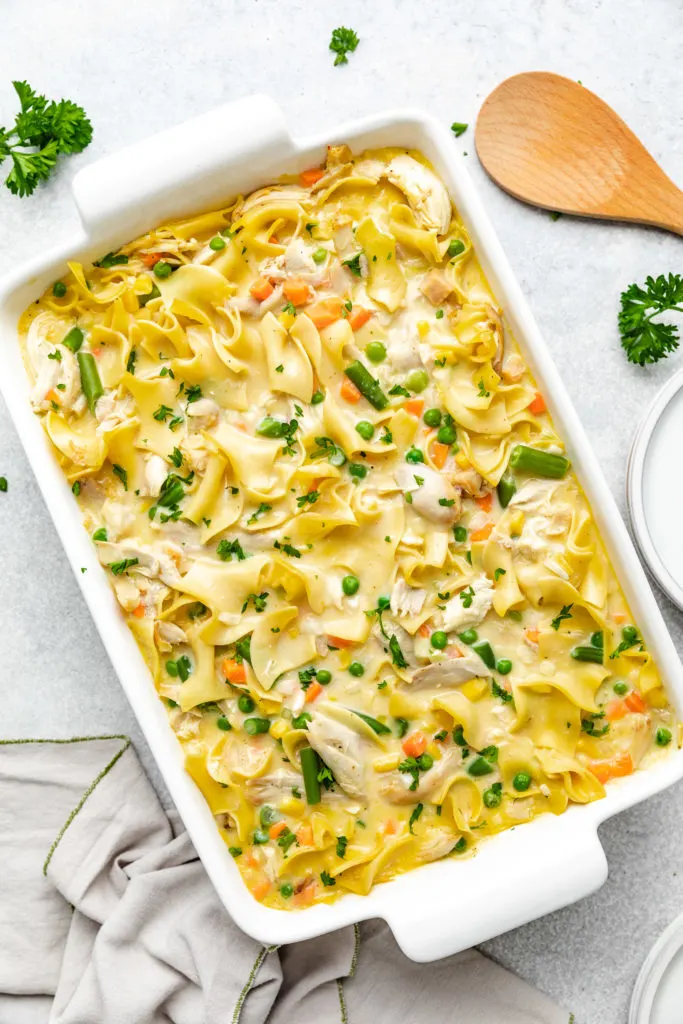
(315, 467)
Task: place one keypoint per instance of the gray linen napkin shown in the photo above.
(107, 917)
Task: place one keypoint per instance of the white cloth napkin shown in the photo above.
(107, 917)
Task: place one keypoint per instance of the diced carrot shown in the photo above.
(485, 502)
(537, 406)
(139, 611)
(150, 258)
(325, 312)
(309, 177)
(313, 691)
(297, 291)
(277, 829)
(96, 351)
(612, 768)
(619, 617)
(52, 396)
(304, 835)
(615, 710)
(453, 651)
(414, 406)
(531, 634)
(251, 861)
(349, 391)
(424, 629)
(340, 641)
(273, 240)
(358, 317)
(234, 671)
(390, 827)
(261, 289)
(305, 896)
(440, 454)
(259, 890)
(415, 744)
(483, 534)
(634, 702)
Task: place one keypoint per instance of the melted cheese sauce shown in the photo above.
(342, 569)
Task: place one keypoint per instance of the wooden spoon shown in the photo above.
(552, 142)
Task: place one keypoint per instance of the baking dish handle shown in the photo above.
(187, 168)
(538, 874)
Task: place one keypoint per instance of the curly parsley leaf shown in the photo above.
(644, 339)
(343, 41)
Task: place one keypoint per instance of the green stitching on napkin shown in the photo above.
(263, 953)
(342, 1002)
(74, 739)
(93, 785)
(356, 950)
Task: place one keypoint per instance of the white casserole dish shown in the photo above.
(448, 905)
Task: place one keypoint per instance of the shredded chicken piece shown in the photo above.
(435, 498)
(435, 287)
(396, 787)
(436, 844)
(406, 600)
(513, 368)
(341, 749)
(447, 673)
(469, 481)
(469, 608)
(274, 787)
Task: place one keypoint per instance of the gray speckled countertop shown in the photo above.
(139, 67)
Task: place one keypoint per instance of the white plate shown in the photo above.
(451, 904)
(658, 992)
(654, 488)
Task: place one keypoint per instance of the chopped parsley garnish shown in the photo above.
(588, 724)
(383, 604)
(56, 355)
(227, 548)
(401, 727)
(467, 597)
(396, 653)
(354, 264)
(328, 448)
(162, 413)
(176, 457)
(260, 511)
(118, 568)
(258, 600)
(447, 502)
(288, 549)
(111, 260)
(192, 393)
(417, 811)
(166, 371)
(459, 128)
(500, 692)
(307, 499)
(387, 437)
(299, 721)
(630, 638)
(565, 613)
(290, 308)
(121, 473)
(343, 41)
(342, 843)
(414, 765)
(482, 392)
(398, 389)
(326, 878)
(497, 573)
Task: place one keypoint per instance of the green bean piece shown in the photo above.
(74, 339)
(90, 378)
(366, 384)
(595, 654)
(379, 727)
(533, 460)
(310, 768)
(507, 488)
(254, 726)
(480, 766)
(485, 652)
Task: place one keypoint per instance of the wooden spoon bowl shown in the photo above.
(551, 142)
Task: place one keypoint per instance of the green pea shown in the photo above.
(245, 703)
(521, 782)
(460, 534)
(324, 677)
(317, 398)
(260, 837)
(446, 435)
(629, 634)
(597, 639)
(439, 639)
(414, 455)
(460, 846)
(455, 247)
(417, 381)
(350, 585)
(439, 314)
(480, 766)
(432, 417)
(469, 636)
(235, 851)
(425, 762)
(365, 429)
(59, 289)
(358, 470)
(504, 665)
(162, 269)
(217, 243)
(287, 890)
(223, 724)
(356, 669)
(663, 737)
(376, 351)
(320, 255)
(492, 797)
(268, 815)
(620, 687)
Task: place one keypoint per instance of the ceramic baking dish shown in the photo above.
(442, 907)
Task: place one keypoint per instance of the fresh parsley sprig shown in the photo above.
(42, 131)
(644, 339)
(343, 41)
